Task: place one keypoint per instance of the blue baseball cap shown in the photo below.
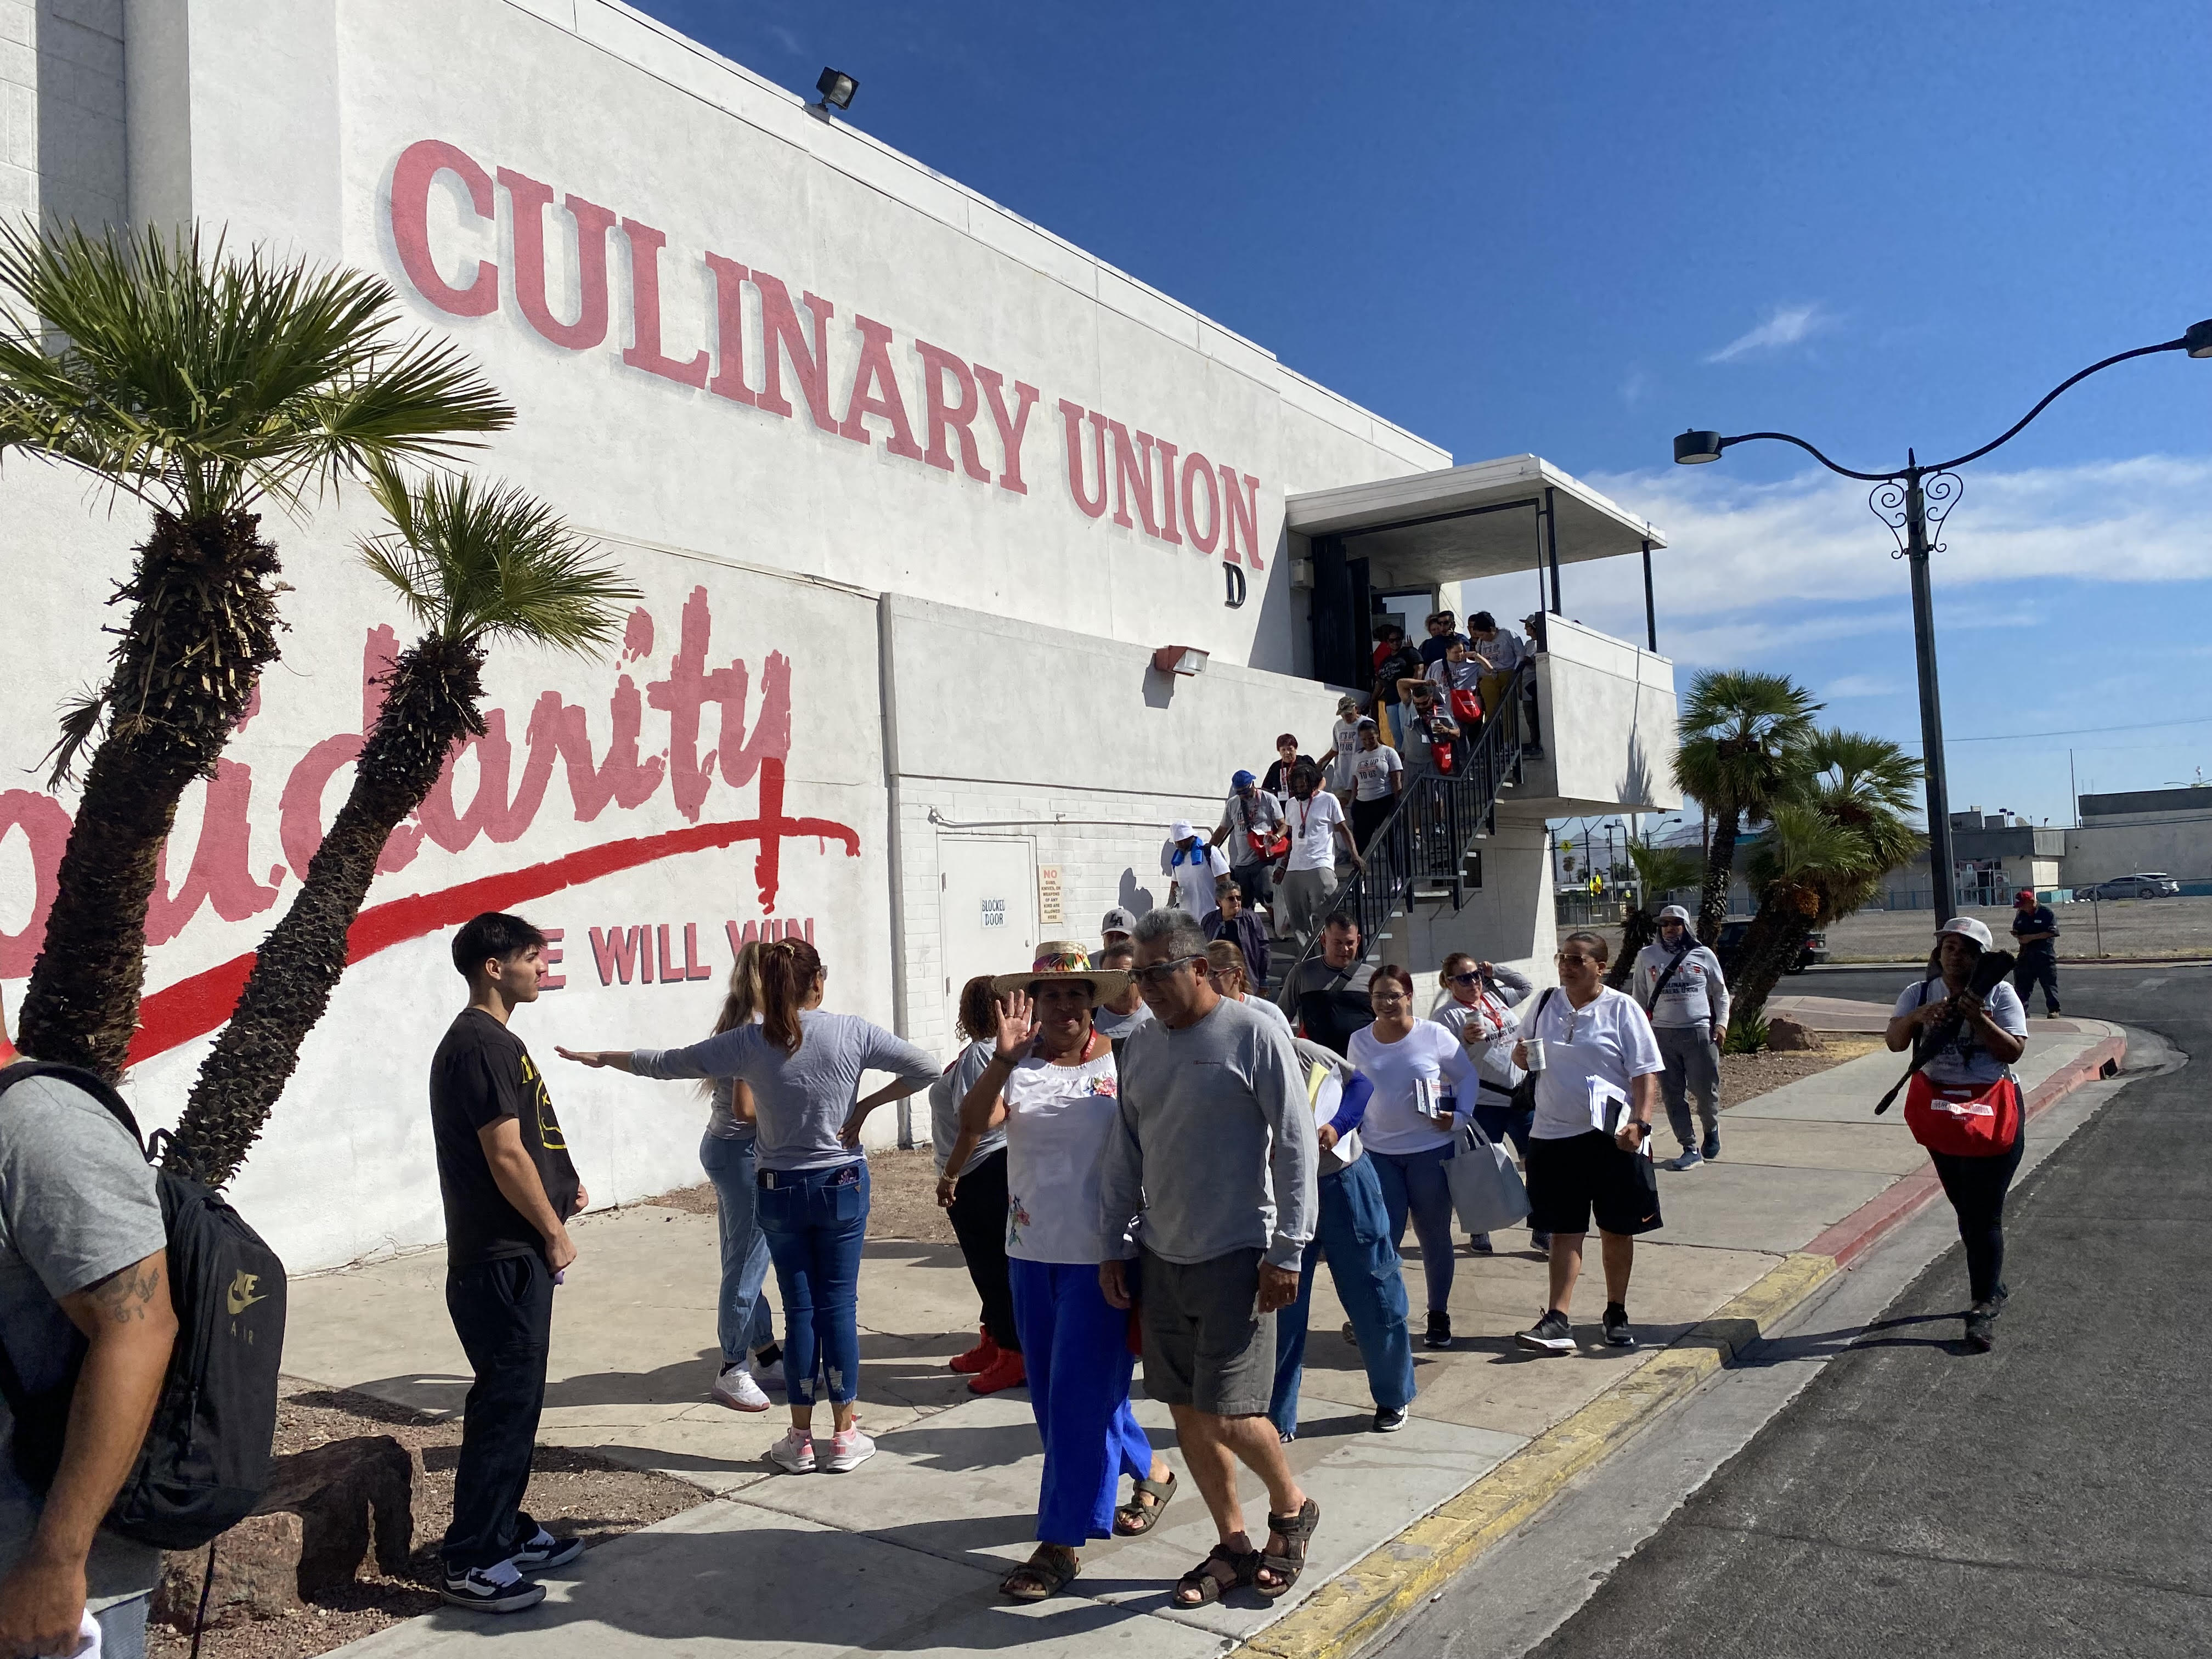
(1243, 781)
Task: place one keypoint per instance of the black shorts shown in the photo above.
(1571, 1180)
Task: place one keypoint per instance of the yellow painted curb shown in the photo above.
(1387, 1583)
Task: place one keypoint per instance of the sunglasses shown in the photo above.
(1577, 959)
(1161, 972)
(1465, 979)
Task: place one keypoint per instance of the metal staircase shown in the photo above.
(1422, 853)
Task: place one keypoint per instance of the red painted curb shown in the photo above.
(1890, 1209)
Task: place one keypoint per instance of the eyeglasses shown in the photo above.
(1160, 972)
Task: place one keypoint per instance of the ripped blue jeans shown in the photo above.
(816, 1221)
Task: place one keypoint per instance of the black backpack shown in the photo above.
(206, 1460)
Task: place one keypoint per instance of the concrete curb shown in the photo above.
(1375, 1592)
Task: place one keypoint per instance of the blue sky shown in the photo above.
(1576, 230)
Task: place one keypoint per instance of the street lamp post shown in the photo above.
(1913, 501)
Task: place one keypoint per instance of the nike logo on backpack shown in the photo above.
(241, 1295)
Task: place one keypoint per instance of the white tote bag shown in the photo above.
(1486, 1189)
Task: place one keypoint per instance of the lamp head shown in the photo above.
(2196, 339)
(837, 88)
(1693, 448)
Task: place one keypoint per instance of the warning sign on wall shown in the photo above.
(1048, 895)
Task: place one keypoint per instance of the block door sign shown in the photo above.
(988, 911)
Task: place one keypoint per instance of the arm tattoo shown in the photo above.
(121, 1297)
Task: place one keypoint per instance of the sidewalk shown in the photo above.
(904, 1555)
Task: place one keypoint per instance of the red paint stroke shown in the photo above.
(196, 1006)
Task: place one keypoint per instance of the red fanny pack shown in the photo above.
(1467, 708)
(1961, 1119)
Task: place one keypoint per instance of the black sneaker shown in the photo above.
(1550, 1334)
(1351, 1336)
(1617, 1334)
(546, 1550)
(1439, 1335)
(1389, 1419)
(497, 1589)
(1711, 1149)
(1981, 1327)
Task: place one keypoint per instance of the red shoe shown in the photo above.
(979, 1357)
(1008, 1371)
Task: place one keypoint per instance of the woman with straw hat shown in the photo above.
(1052, 1085)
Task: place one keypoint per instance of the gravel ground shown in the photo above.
(1744, 1077)
(572, 1492)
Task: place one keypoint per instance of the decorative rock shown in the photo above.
(257, 1575)
(1786, 1035)
(312, 1532)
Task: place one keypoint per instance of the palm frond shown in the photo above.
(201, 381)
(81, 716)
(1664, 869)
(477, 562)
(1806, 847)
(1743, 738)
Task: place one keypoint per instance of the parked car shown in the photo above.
(1813, 949)
(2146, 884)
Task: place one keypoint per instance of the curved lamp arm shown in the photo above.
(2193, 342)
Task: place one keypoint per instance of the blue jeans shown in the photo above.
(1075, 1347)
(816, 1221)
(741, 1314)
(1352, 1231)
(122, 1628)
(1413, 1185)
(1497, 1119)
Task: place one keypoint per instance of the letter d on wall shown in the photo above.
(1235, 578)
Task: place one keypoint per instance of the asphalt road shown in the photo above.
(2051, 1497)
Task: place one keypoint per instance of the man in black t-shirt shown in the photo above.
(509, 1188)
(2035, 930)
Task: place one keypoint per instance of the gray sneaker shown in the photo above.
(1689, 1159)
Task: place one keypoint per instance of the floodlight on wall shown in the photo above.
(836, 87)
(1179, 659)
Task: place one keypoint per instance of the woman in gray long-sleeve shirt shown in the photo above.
(804, 1068)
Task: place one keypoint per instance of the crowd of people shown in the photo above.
(1142, 1158)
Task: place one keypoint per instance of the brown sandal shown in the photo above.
(1296, 1531)
(1223, 1570)
(1135, 1518)
(1047, 1571)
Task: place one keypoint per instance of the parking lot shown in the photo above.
(2130, 929)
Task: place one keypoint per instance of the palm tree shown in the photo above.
(474, 564)
(202, 387)
(1840, 831)
(1659, 870)
(1740, 733)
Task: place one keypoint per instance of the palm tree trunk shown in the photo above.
(430, 701)
(1638, 930)
(202, 625)
(1720, 870)
(1776, 935)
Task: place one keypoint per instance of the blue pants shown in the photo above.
(1075, 1347)
(816, 1221)
(1413, 1185)
(741, 1315)
(1352, 1232)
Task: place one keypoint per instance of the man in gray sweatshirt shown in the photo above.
(1215, 1152)
(1678, 983)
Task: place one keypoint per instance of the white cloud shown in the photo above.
(1785, 325)
(1862, 685)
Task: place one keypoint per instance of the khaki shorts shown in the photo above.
(1204, 1345)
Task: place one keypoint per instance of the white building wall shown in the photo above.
(282, 127)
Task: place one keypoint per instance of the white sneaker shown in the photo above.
(794, 1453)
(736, 1388)
(849, 1451)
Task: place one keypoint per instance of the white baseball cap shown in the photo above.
(1966, 928)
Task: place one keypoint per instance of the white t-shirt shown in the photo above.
(1464, 677)
(1194, 877)
(1373, 768)
(1978, 1066)
(1058, 1119)
(1427, 1055)
(1494, 1020)
(1344, 742)
(1313, 831)
(1268, 1007)
(1590, 1055)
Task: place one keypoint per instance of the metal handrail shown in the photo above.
(1426, 837)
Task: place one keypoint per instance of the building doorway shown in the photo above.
(986, 909)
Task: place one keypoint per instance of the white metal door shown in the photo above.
(987, 912)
